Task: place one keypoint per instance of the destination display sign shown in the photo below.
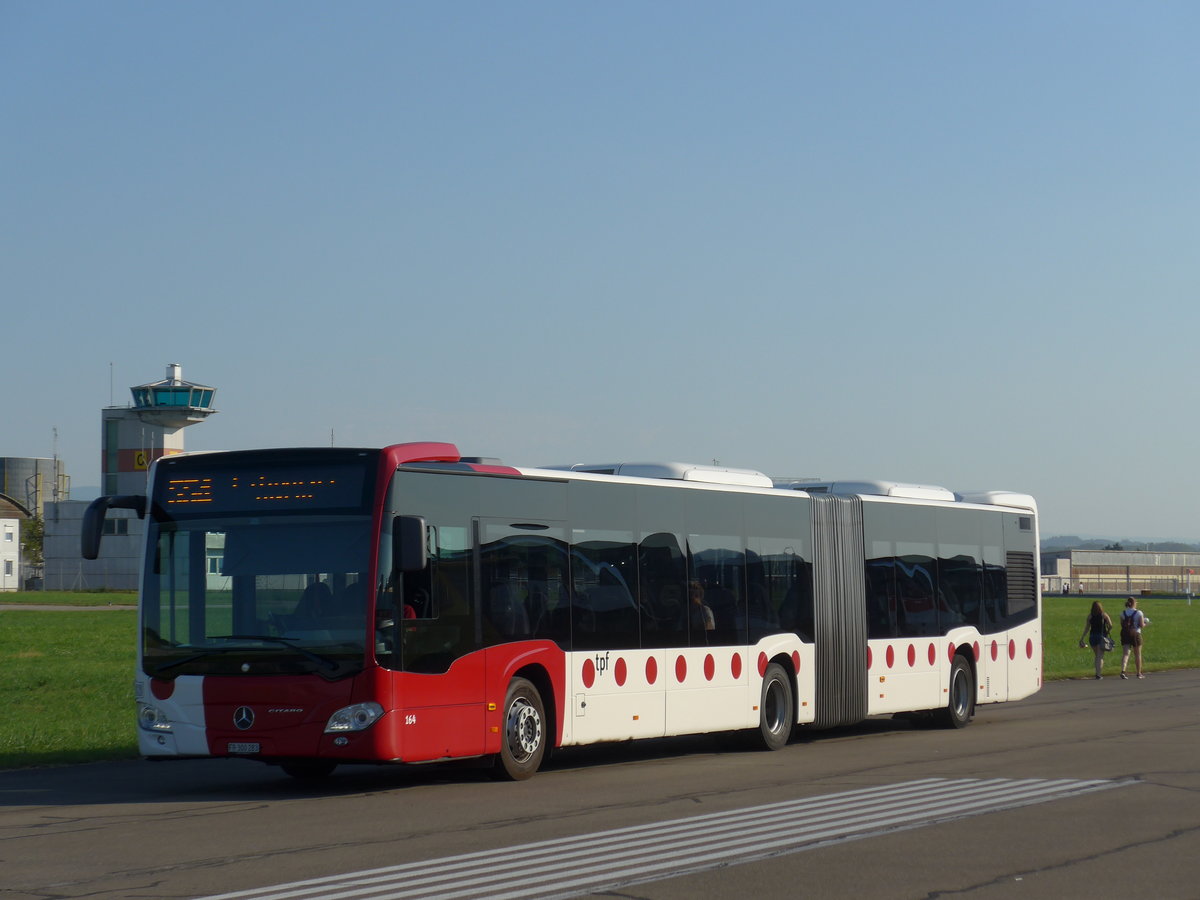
(265, 488)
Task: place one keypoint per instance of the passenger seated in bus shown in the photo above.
(416, 602)
(700, 616)
(549, 615)
(314, 605)
(506, 610)
(350, 597)
(724, 606)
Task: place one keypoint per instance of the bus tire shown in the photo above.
(960, 707)
(523, 736)
(308, 769)
(776, 709)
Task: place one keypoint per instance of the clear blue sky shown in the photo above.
(939, 242)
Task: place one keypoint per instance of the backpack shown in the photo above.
(1129, 626)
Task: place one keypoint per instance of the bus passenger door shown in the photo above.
(441, 693)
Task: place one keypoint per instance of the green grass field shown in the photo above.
(1171, 641)
(66, 676)
(71, 598)
(67, 682)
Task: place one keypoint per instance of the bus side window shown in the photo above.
(662, 579)
(522, 590)
(717, 564)
(881, 597)
(604, 607)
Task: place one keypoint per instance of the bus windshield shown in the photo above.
(256, 595)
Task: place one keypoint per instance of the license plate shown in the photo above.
(243, 748)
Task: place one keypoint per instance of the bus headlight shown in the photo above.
(358, 717)
(151, 718)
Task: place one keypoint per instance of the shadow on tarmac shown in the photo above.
(239, 780)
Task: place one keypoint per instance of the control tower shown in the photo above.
(131, 438)
(134, 436)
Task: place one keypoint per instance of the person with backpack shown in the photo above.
(1095, 633)
(1133, 620)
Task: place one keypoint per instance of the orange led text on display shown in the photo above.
(262, 489)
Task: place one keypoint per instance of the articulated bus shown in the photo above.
(310, 607)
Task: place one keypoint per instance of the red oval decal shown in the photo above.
(735, 666)
(680, 669)
(589, 673)
(162, 688)
(620, 672)
(651, 670)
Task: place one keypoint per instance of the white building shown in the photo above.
(10, 551)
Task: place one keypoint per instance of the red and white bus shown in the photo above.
(310, 607)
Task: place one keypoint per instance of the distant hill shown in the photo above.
(1074, 542)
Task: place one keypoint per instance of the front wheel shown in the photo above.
(776, 709)
(523, 744)
(960, 706)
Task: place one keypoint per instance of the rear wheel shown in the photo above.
(960, 706)
(523, 743)
(776, 708)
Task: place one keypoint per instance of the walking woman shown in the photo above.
(1133, 620)
(1095, 633)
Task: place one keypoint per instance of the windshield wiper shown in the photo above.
(331, 664)
(195, 656)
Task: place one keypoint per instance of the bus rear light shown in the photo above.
(358, 717)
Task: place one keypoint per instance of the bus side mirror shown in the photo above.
(93, 519)
(410, 547)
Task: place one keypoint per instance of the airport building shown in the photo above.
(1120, 572)
(12, 514)
(132, 437)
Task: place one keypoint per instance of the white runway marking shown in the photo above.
(605, 860)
